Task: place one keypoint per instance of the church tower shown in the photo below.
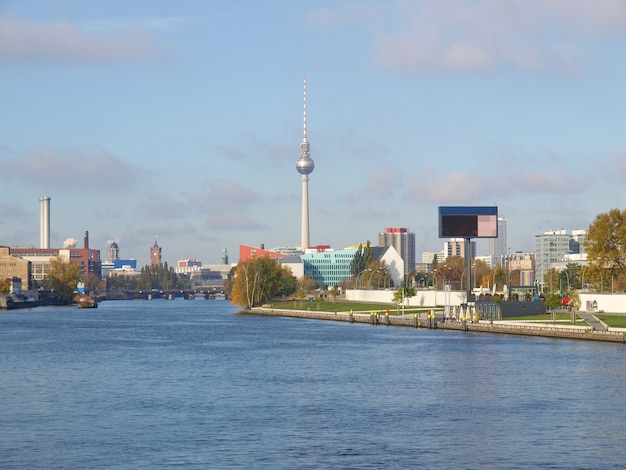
(155, 254)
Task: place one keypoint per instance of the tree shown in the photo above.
(334, 292)
(404, 293)
(306, 284)
(64, 277)
(287, 282)
(256, 281)
(570, 277)
(551, 279)
(605, 245)
(5, 285)
(361, 260)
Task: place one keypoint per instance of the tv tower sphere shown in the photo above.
(305, 164)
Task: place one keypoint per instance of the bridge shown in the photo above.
(168, 294)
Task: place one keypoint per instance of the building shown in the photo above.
(305, 167)
(332, 268)
(247, 252)
(14, 267)
(188, 266)
(404, 243)
(577, 242)
(87, 259)
(429, 256)
(499, 247)
(550, 247)
(113, 252)
(456, 247)
(155, 254)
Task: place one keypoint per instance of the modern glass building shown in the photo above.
(329, 268)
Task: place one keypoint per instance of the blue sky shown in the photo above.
(183, 119)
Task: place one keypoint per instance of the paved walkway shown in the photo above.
(593, 321)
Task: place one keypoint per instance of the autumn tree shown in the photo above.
(306, 284)
(255, 281)
(605, 244)
(5, 285)
(64, 277)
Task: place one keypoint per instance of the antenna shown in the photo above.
(304, 109)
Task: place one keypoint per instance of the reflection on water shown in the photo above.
(193, 384)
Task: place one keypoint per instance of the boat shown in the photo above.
(87, 302)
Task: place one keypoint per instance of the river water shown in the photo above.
(193, 384)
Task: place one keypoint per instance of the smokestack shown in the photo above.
(44, 222)
(86, 240)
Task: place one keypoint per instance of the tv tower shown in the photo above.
(305, 166)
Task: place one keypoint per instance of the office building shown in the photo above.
(404, 243)
(550, 247)
(499, 247)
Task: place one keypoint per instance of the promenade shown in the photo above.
(422, 320)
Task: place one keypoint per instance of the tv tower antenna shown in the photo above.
(305, 166)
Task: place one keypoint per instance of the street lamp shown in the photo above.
(360, 278)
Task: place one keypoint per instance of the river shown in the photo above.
(192, 384)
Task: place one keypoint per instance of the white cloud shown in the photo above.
(459, 35)
(63, 169)
(61, 41)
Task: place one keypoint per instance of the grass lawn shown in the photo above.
(616, 321)
(328, 305)
(323, 305)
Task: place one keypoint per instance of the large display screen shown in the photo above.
(468, 222)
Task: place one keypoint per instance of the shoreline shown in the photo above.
(484, 326)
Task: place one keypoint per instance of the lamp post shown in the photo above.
(369, 278)
(360, 278)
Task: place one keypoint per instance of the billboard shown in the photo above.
(468, 222)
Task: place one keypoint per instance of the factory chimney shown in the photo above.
(44, 222)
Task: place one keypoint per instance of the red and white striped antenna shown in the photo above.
(304, 109)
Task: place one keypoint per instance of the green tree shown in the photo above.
(64, 277)
(362, 259)
(403, 293)
(287, 282)
(569, 278)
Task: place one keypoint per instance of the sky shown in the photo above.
(181, 121)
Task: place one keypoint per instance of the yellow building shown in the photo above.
(10, 266)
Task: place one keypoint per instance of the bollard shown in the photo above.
(415, 319)
(464, 323)
(387, 317)
(374, 318)
(351, 317)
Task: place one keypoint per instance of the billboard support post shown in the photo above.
(468, 267)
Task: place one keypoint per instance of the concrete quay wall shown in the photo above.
(421, 321)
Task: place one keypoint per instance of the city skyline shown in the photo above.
(184, 120)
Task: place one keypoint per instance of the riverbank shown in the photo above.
(425, 321)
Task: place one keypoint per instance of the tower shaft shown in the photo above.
(304, 242)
